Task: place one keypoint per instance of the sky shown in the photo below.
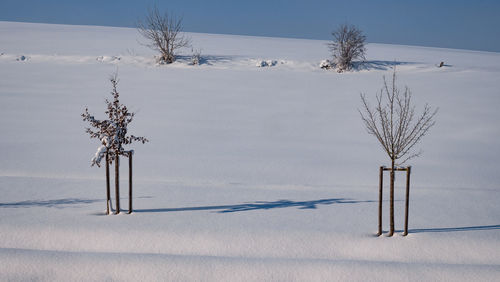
(473, 25)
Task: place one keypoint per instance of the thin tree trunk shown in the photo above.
(407, 202)
(108, 192)
(130, 182)
(391, 231)
(117, 183)
(381, 183)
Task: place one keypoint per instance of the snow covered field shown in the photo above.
(251, 173)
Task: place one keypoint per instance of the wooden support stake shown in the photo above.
(117, 183)
(130, 182)
(396, 168)
(380, 185)
(407, 200)
(391, 200)
(108, 193)
(408, 172)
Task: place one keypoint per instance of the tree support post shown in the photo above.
(130, 153)
(407, 201)
(108, 192)
(391, 199)
(380, 187)
(117, 183)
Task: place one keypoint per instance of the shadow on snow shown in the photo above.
(455, 229)
(207, 59)
(259, 205)
(48, 203)
(377, 65)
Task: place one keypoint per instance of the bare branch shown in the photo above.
(393, 122)
(164, 34)
(371, 124)
(348, 44)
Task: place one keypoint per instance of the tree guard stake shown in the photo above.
(130, 153)
(108, 192)
(407, 199)
(117, 183)
(380, 187)
(407, 202)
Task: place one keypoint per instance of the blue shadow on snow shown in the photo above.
(259, 205)
(377, 65)
(48, 203)
(455, 229)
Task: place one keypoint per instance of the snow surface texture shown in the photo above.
(252, 174)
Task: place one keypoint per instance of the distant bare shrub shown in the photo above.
(163, 31)
(347, 45)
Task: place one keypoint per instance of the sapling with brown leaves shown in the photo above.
(396, 126)
(111, 132)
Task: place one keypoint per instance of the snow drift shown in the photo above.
(251, 173)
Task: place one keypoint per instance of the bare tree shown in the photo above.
(164, 33)
(348, 44)
(112, 133)
(398, 130)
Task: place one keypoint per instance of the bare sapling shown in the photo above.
(396, 126)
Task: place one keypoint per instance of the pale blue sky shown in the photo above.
(459, 24)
